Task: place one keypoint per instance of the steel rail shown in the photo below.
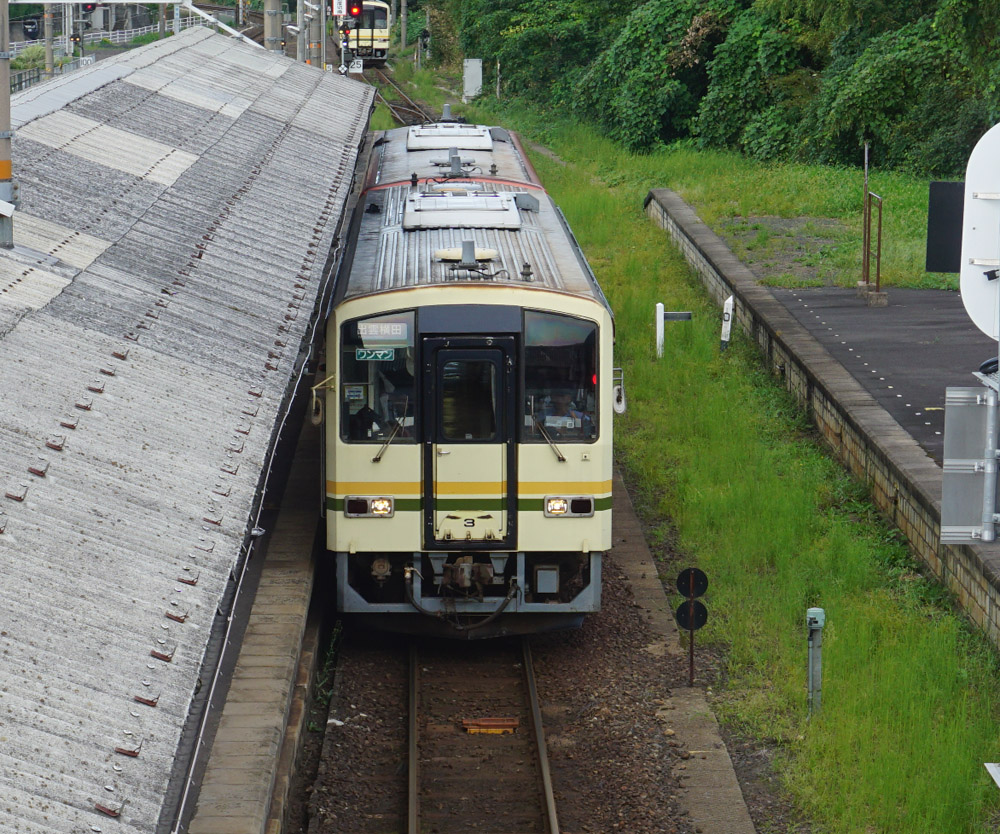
(412, 809)
(545, 773)
(410, 105)
(552, 818)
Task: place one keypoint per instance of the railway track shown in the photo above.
(403, 108)
(477, 756)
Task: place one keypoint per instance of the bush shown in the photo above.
(871, 98)
(645, 88)
(755, 87)
(33, 57)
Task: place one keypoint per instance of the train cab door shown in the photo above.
(470, 473)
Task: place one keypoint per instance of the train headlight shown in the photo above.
(556, 506)
(574, 506)
(364, 506)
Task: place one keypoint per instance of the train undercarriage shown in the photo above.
(467, 594)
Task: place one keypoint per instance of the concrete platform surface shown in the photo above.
(904, 354)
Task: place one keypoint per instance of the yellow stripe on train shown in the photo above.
(468, 487)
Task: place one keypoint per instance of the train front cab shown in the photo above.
(369, 39)
(469, 463)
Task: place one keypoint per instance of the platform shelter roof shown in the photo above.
(178, 206)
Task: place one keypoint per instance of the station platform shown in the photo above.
(904, 354)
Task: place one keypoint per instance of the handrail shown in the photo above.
(866, 244)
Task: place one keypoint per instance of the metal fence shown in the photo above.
(22, 79)
(117, 37)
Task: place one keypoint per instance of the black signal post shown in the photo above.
(692, 614)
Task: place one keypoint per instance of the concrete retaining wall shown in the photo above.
(905, 482)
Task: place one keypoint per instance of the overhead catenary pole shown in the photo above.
(6, 179)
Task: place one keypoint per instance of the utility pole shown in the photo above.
(49, 62)
(300, 33)
(68, 28)
(402, 26)
(272, 25)
(163, 20)
(317, 27)
(7, 186)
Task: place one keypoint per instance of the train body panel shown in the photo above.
(468, 401)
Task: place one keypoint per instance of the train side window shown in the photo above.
(377, 379)
(560, 378)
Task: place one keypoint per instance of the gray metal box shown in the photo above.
(473, 78)
(963, 476)
(546, 579)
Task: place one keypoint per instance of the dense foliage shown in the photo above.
(809, 80)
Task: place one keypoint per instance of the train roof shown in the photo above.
(439, 195)
(170, 245)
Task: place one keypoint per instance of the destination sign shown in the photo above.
(391, 331)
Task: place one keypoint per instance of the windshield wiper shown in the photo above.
(549, 440)
(395, 430)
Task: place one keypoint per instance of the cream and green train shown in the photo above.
(469, 396)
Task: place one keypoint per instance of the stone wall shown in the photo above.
(905, 482)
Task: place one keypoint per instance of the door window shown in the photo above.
(469, 400)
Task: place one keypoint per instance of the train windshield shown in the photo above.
(375, 17)
(376, 388)
(560, 378)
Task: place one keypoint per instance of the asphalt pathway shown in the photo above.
(905, 354)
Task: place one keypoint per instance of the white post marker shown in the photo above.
(659, 330)
(727, 323)
(994, 770)
(662, 316)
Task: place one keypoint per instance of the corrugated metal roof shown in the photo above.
(178, 205)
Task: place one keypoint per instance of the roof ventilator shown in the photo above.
(471, 258)
(457, 167)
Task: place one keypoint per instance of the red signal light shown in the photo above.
(89, 7)
(354, 10)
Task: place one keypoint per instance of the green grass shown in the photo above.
(727, 467)
(422, 85)
(722, 186)
(382, 119)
